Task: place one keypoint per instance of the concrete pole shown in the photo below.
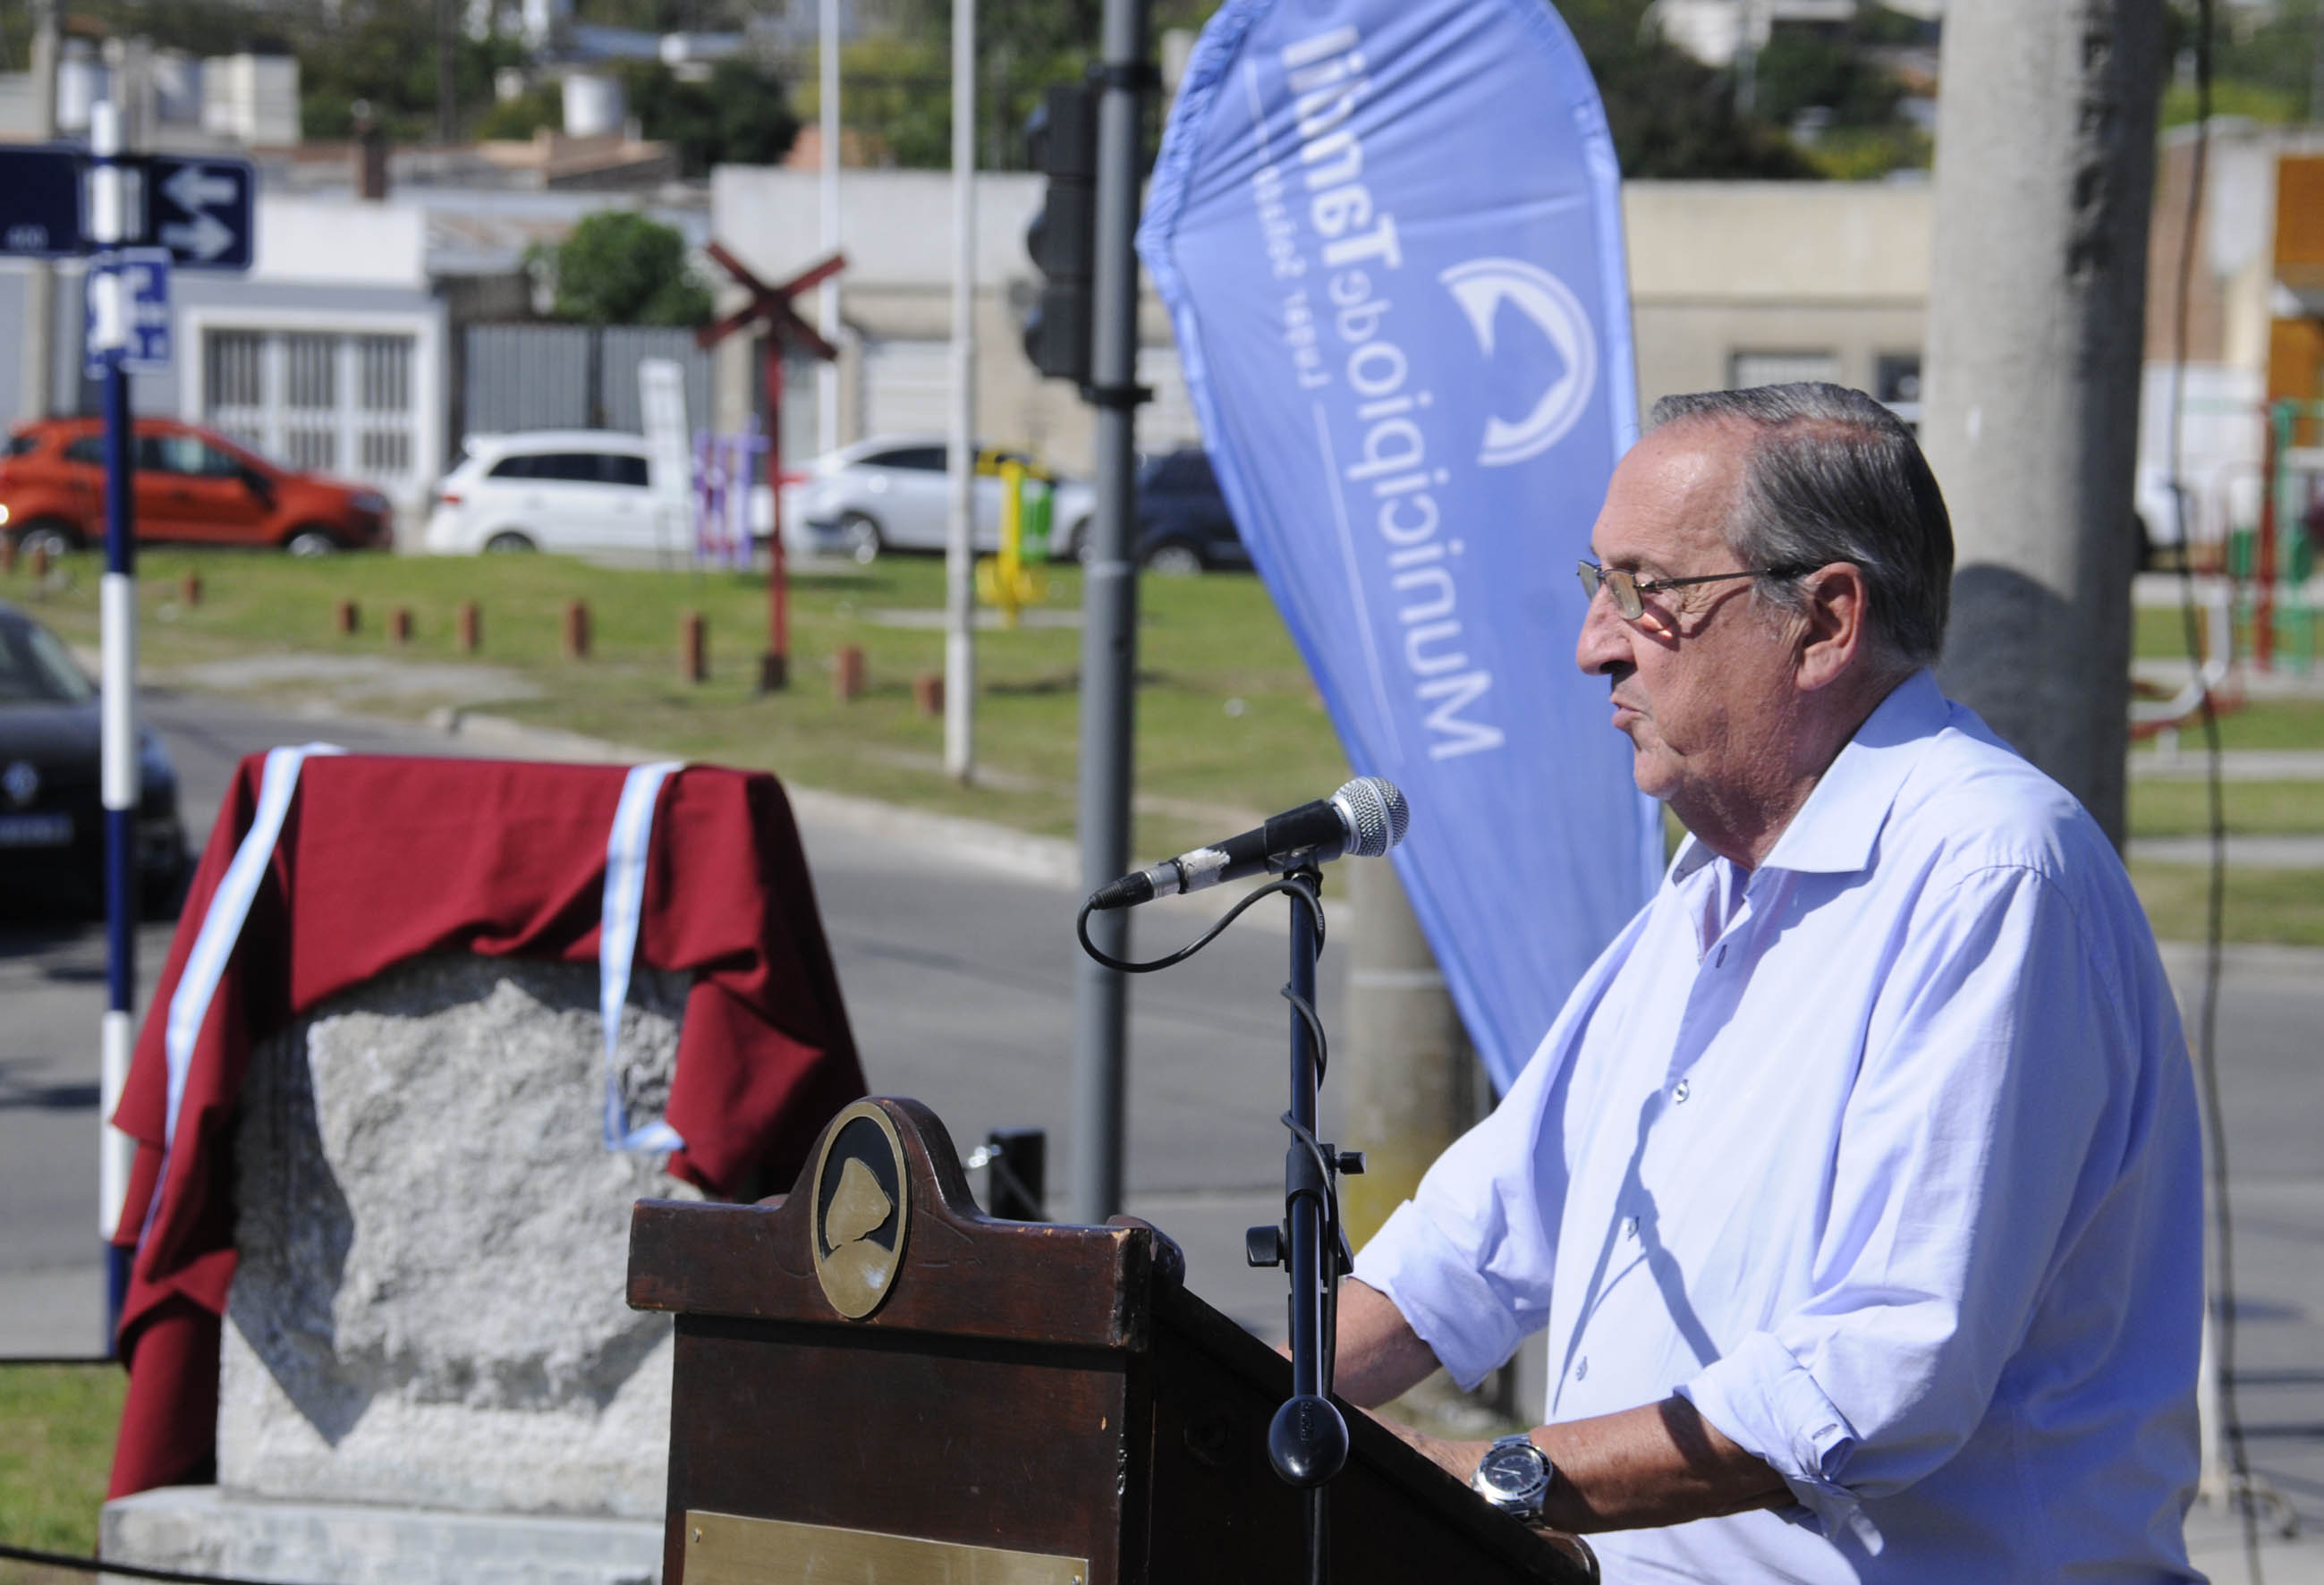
(960, 543)
(826, 296)
(1401, 1064)
(2045, 168)
(1110, 619)
(37, 382)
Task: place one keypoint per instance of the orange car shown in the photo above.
(194, 486)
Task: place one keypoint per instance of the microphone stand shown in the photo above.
(1307, 1439)
(1307, 1442)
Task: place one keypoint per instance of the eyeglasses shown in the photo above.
(1629, 592)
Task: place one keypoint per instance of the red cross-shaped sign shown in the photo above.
(770, 309)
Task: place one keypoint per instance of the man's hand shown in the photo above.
(1658, 1464)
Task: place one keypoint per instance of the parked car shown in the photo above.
(1183, 526)
(51, 814)
(893, 493)
(578, 491)
(192, 485)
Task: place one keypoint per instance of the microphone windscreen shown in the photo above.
(1376, 814)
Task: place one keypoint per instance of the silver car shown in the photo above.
(892, 494)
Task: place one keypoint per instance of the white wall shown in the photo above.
(340, 243)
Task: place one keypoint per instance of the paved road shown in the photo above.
(959, 981)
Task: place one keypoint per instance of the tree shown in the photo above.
(740, 117)
(1673, 118)
(619, 267)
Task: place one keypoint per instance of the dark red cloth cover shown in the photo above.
(384, 858)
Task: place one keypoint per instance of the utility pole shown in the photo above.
(826, 296)
(2045, 170)
(1410, 1084)
(1109, 618)
(960, 542)
(447, 75)
(38, 380)
(111, 224)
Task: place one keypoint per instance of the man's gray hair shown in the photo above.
(1833, 475)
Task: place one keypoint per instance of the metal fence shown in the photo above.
(570, 377)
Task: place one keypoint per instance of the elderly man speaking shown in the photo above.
(1858, 1184)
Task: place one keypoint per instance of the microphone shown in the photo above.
(1364, 819)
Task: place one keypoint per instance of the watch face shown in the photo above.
(1513, 1471)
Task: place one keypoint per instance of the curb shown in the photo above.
(1048, 861)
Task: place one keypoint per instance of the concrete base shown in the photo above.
(201, 1529)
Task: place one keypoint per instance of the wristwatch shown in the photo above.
(1514, 1477)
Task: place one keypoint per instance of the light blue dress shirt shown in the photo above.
(1885, 1155)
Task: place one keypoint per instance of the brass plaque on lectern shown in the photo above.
(726, 1549)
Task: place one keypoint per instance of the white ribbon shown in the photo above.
(625, 880)
(617, 945)
(189, 1003)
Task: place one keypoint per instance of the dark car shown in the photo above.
(1183, 526)
(51, 813)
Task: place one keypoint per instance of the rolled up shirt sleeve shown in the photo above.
(1468, 1259)
(1998, 1090)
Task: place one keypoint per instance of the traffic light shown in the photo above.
(1060, 140)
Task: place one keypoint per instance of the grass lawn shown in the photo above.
(2262, 809)
(57, 1424)
(2282, 906)
(1228, 722)
(1226, 717)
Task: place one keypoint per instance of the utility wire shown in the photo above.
(2224, 1304)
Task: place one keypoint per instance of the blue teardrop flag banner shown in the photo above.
(1390, 235)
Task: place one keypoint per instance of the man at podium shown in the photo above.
(1858, 1184)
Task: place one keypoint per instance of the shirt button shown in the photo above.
(1681, 1090)
(1581, 1367)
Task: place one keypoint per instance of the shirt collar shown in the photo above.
(1834, 832)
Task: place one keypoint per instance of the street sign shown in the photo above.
(200, 210)
(40, 202)
(142, 334)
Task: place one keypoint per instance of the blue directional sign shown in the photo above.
(200, 209)
(140, 338)
(40, 202)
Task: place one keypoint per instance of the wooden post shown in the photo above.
(398, 625)
(693, 647)
(576, 629)
(847, 672)
(471, 625)
(39, 561)
(347, 618)
(189, 590)
(7, 555)
(928, 693)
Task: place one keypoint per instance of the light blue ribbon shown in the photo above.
(189, 1003)
(625, 878)
(617, 945)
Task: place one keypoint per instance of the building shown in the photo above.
(1731, 283)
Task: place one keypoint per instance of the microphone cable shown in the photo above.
(1335, 1237)
(2224, 1307)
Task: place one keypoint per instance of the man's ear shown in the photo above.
(1833, 632)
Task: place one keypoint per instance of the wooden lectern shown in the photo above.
(877, 1382)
